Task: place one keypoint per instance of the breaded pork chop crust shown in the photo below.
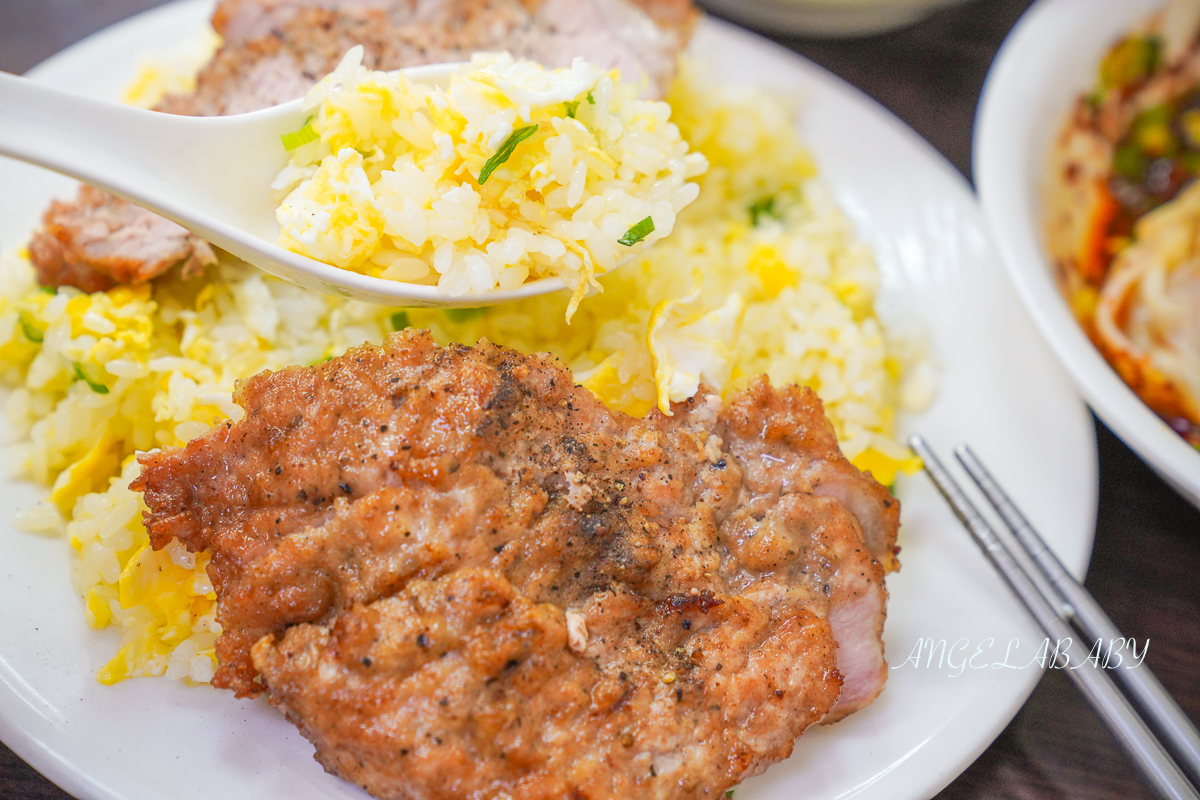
(462, 576)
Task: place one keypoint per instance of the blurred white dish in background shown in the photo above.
(832, 18)
(1052, 56)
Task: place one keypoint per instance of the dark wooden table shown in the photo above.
(1147, 552)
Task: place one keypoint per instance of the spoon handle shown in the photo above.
(185, 168)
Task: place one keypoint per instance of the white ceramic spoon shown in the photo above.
(212, 175)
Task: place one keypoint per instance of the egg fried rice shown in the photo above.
(762, 274)
(512, 172)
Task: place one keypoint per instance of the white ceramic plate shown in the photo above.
(150, 739)
(1051, 57)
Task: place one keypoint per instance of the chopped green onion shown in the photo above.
(505, 151)
(305, 134)
(571, 106)
(463, 314)
(31, 331)
(400, 320)
(48, 289)
(98, 388)
(591, 100)
(763, 208)
(637, 232)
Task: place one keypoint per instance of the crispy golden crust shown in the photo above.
(459, 556)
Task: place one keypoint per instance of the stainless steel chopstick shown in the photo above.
(1116, 712)
(1166, 717)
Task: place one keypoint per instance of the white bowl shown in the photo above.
(1050, 57)
(831, 18)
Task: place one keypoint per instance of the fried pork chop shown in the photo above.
(275, 50)
(461, 575)
(98, 242)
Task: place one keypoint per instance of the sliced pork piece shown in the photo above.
(284, 64)
(633, 35)
(246, 20)
(276, 49)
(461, 575)
(100, 241)
(636, 38)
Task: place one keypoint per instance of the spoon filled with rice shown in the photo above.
(443, 185)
